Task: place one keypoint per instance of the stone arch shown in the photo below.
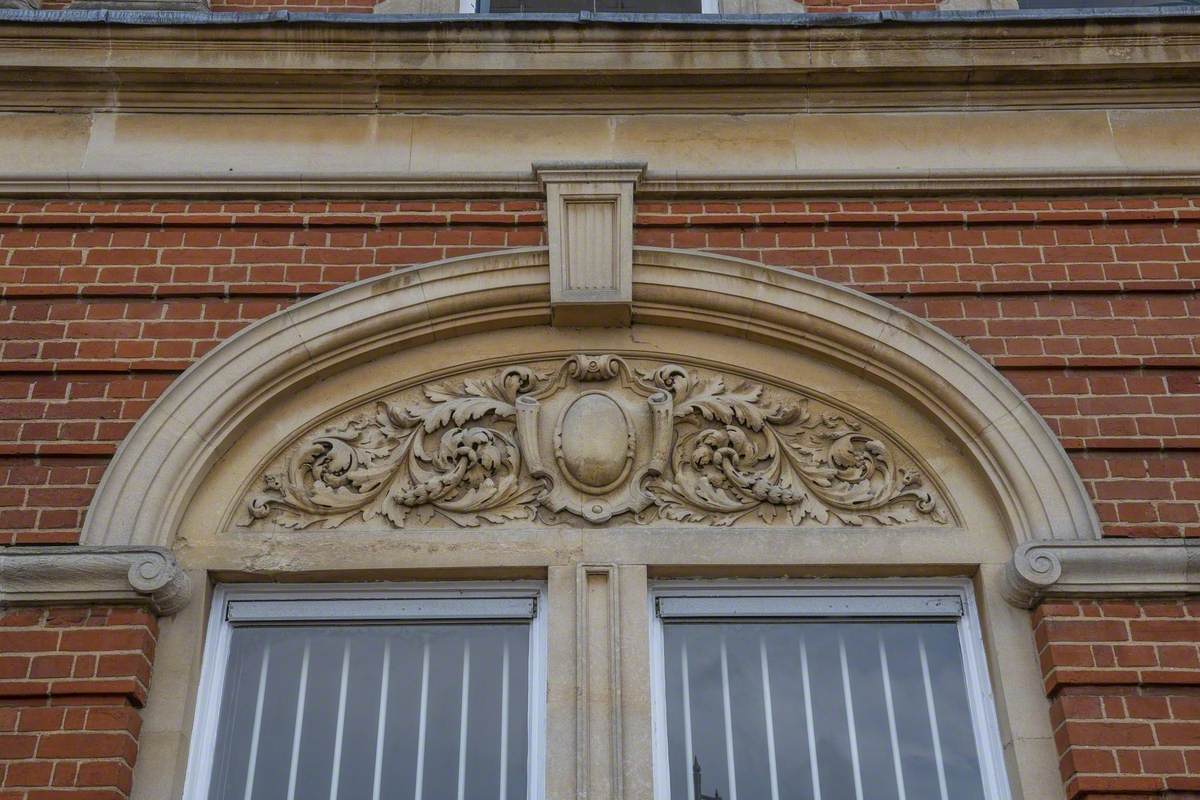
(1027, 527)
(160, 464)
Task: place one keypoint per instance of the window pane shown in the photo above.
(575, 6)
(368, 711)
(835, 710)
(1102, 3)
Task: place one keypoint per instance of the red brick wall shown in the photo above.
(104, 304)
(1123, 679)
(1089, 305)
(71, 680)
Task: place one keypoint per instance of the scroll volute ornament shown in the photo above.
(597, 438)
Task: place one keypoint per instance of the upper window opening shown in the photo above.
(359, 698)
(1033, 4)
(575, 6)
(823, 695)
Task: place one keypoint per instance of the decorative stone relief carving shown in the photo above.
(596, 437)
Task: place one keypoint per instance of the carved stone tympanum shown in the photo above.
(594, 438)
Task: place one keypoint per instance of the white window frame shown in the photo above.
(329, 603)
(472, 6)
(942, 598)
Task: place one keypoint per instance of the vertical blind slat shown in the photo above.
(381, 729)
(687, 724)
(256, 731)
(850, 726)
(768, 716)
(810, 727)
(504, 668)
(463, 719)
(728, 720)
(301, 701)
(933, 721)
(422, 723)
(339, 737)
(886, 672)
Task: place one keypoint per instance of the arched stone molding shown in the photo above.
(160, 464)
(222, 427)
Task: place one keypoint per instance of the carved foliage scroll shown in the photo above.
(597, 438)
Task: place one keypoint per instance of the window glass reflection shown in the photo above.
(1033, 4)
(575, 6)
(360, 712)
(829, 710)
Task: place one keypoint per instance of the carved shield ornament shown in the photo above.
(594, 438)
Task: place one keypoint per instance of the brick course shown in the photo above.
(71, 681)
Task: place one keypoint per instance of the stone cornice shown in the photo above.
(652, 187)
(329, 55)
(112, 99)
(1104, 568)
(106, 574)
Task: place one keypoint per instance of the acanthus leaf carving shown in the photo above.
(386, 466)
(664, 443)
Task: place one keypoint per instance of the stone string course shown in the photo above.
(1089, 305)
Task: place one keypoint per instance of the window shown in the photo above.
(575, 6)
(822, 691)
(1041, 4)
(352, 692)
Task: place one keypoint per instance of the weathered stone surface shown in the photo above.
(595, 441)
(1105, 568)
(589, 221)
(76, 575)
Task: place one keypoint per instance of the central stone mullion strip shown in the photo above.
(598, 676)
